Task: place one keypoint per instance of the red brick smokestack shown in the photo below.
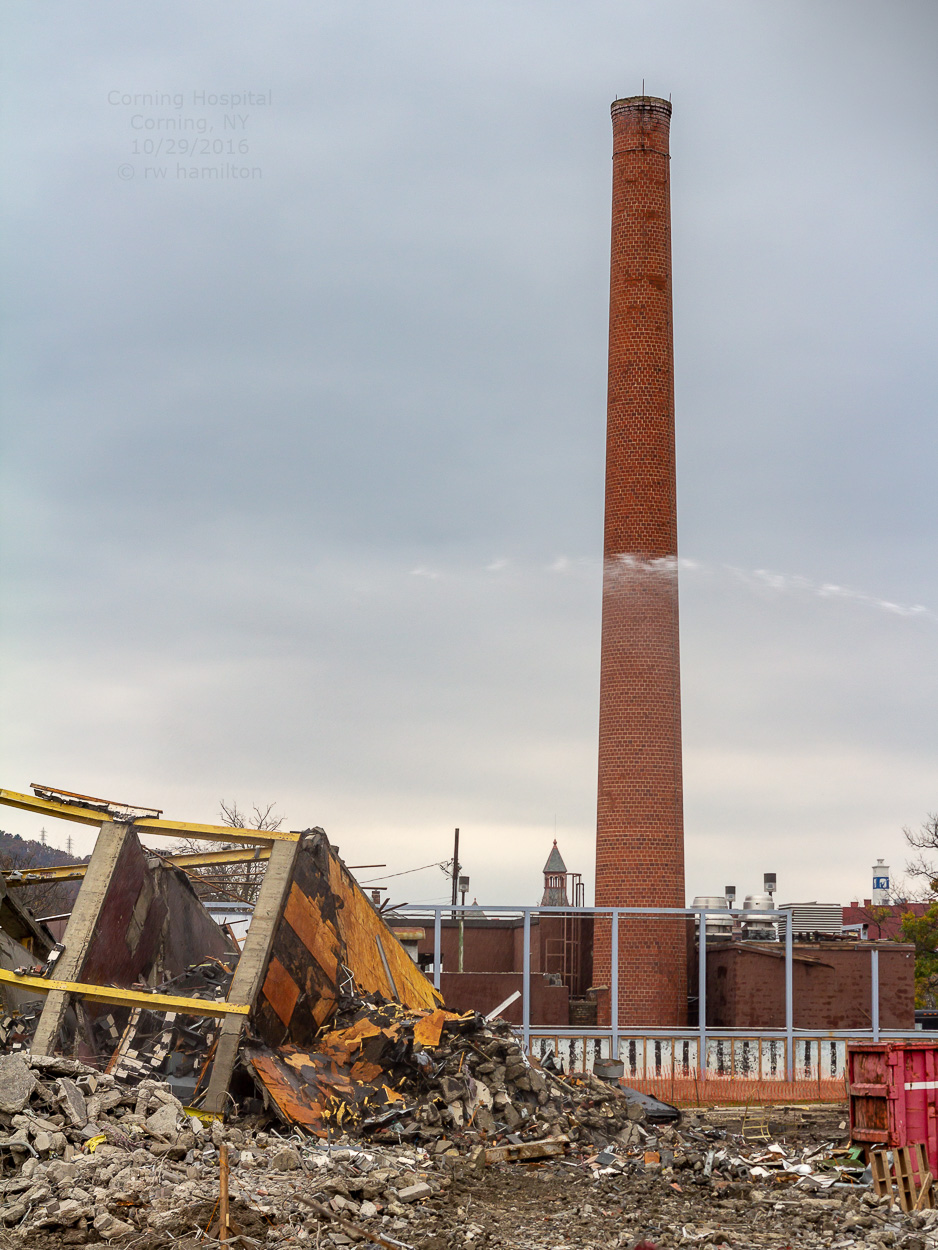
(640, 825)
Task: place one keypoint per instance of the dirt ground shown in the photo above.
(564, 1205)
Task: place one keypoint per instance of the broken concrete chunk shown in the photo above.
(61, 1173)
(58, 1065)
(110, 1227)
(286, 1160)
(72, 1101)
(13, 1213)
(100, 1102)
(163, 1095)
(452, 1088)
(162, 1123)
(16, 1083)
(64, 1214)
(166, 1221)
(414, 1193)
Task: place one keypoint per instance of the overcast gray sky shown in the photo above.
(303, 461)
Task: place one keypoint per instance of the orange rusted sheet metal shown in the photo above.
(311, 1089)
(330, 943)
(428, 1029)
(354, 1073)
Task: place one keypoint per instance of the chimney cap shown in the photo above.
(651, 102)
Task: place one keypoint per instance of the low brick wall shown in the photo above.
(831, 984)
(483, 991)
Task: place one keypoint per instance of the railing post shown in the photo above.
(526, 982)
(874, 991)
(437, 944)
(702, 996)
(789, 999)
(614, 985)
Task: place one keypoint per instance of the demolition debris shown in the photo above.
(163, 1084)
(86, 1156)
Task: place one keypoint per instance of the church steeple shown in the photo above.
(555, 880)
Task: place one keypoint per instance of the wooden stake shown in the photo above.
(926, 1196)
(223, 1192)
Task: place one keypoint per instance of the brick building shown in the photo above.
(831, 982)
(880, 920)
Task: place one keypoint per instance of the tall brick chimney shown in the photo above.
(640, 825)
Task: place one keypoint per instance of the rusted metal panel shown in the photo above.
(21, 926)
(130, 920)
(360, 925)
(280, 990)
(330, 941)
(351, 1074)
(294, 1097)
(316, 1090)
(319, 938)
(428, 1030)
(151, 923)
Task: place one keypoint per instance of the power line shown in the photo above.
(443, 863)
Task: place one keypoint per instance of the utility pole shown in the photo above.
(455, 887)
(455, 865)
(463, 887)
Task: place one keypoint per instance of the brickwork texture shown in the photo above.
(640, 828)
(831, 986)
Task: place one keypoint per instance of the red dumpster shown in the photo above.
(893, 1089)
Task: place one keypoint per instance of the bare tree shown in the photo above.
(238, 882)
(922, 866)
(923, 930)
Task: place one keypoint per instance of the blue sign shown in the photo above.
(880, 883)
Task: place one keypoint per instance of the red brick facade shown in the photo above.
(831, 985)
(640, 831)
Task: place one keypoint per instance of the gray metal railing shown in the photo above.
(616, 1031)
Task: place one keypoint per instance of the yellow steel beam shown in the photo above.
(128, 998)
(14, 877)
(203, 859)
(163, 828)
(75, 872)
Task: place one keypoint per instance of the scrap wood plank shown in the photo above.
(926, 1195)
(137, 998)
(907, 1162)
(546, 1148)
(882, 1178)
(902, 1166)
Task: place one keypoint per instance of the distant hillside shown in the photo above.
(42, 900)
(28, 853)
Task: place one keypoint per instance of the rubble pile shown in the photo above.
(86, 1157)
(17, 1027)
(453, 1081)
(89, 1157)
